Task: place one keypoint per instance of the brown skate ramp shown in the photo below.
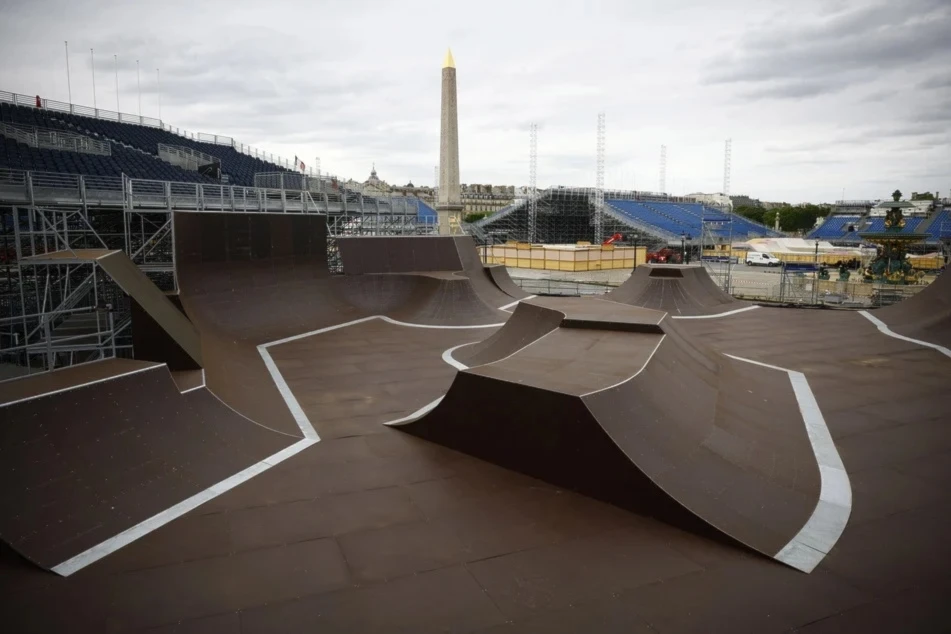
(400, 254)
(134, 283)
(653, 423)
(480, 275)
(112, 454)
(425, 298)
(537, 317)
(151, 342)
(241, 298)
(415, 254)
(925, 316)
(678, 290)
(500, 276)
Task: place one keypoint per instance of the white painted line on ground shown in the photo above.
(296, 411)
(633, 376)
(448, 358)
(197, 387)
(883, 327)
(82, 385)
(726, 314)
(162, 518)
(828, 520)
(507, 306)
(425, 409)
(158, 520)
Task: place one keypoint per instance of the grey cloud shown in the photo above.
(880, 95)
(799, 89)
(892, 36)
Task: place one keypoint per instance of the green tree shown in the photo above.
(753, 213)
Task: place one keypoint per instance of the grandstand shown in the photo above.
(565, 216)
(851, 218)
(126, 139)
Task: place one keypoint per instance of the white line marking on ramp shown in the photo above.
(633, 376)
(162, 518)
(726, 314)
(824, 527)
(126, 537)
(197, 387)
(883, 327)
(82, 385)
(507, 306)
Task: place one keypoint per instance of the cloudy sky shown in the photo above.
(820, 97)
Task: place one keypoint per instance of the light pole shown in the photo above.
(635, 250)
(92, 63)
(683, 247)
(69, 83)
(815, 276)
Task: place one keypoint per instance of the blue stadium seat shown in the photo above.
(239, 167)
(690, 218)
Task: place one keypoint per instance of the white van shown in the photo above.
(754, 258)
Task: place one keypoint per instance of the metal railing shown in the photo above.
(185, 157)
(55, 139)
(53, 188)
(121, 117)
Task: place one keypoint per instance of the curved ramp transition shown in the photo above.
(678, 290)
(94, 450)
(925, 316)
(619, 404)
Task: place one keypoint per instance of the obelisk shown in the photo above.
(449, 202)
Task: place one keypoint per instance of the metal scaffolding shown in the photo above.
(727, 166)
(532, 181)
(56, 311)
(599, 185)
(662, 179)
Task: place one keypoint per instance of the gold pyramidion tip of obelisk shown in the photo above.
(449, 62)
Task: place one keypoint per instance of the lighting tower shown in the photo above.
(663, 169)
(727, 166)
(599, 184)
(532, 182)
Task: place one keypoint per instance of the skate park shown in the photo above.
(281, 402)
(411, 430)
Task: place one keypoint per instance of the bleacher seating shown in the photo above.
(20, 156)
(425, 213)
(836, 227)
(239, 167)
(690, 218)
(940, 227)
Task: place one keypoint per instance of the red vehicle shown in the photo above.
(665, 256)
(614, 238)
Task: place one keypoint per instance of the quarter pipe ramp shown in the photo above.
(678, 290)
(626, 409)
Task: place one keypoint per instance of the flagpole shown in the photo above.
(92, 59)
(69, 84)
(116, 58)
(138, 81)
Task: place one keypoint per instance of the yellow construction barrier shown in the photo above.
(580, 257)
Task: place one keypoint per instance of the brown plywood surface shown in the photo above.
(135, 283)
(681, 290)
(83, 465)
(68, 378)
(926, 315)
(377, 530)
